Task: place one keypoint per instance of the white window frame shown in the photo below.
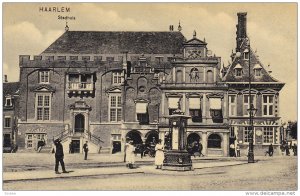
(10, 122)
(246, 55)
(234, 104)
(245, 113)
(6, 101)
(43, 107)
(117, 77)
(117, 108)
(266, 135)
(268, 104)
(44, 77)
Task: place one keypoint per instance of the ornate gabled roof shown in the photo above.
(244, 64)
(108, 42)
(10, 88)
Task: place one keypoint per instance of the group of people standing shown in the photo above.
(129, 156)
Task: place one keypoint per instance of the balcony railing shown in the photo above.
(80, 86)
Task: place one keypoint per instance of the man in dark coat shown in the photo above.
(59, 156)
(85, 149)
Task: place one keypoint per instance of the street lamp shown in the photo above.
(252, 111)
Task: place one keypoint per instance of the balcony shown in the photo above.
(84, 87)
(80, 83)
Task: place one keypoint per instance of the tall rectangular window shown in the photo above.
(7, 122)
(44, 77)
(268, 135)
(43, 107)
(246, 134)
(117, 78)
(115, 108)
(194, 109)
(8, 101)
(268, 105)
(247, 105)
(232, 105)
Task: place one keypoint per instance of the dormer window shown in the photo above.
(246, 54)
(257, 70)
(238, 70)
(43, 76)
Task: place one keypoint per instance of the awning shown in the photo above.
(215, 103)
(194, 103)
(141, 108)
(173, 102)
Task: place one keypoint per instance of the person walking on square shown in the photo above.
(238, 151)
(200, 149)
(129, 154)
(270, 151)
(85, 149)
(295, 149)
(159, 155)
(59, 156)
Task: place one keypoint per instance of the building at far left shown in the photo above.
(10, 113)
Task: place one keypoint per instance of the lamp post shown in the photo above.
(252, 111)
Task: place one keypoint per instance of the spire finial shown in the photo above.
(67, 27)
(179, 27)
(194, 34)
(204, 39)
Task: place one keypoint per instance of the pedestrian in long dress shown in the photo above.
(130, 156)
(159, 155)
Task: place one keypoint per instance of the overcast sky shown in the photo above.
(272, 28)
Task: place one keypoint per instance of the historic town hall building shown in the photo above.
(104, 87)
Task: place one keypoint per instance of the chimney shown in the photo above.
(5, 78)
(241, 29)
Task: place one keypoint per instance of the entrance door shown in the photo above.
(79, 123)
(76, 146)
(6, 140)
(116, 147)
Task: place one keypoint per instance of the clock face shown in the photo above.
(174, 123)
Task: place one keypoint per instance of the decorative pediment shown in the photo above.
(195, 41)
(253, 91)
(233, 91)
(269, 91)
(179, 95)
(192, 95)
(215, 95)
(44, 88)
(36, 130)
(80, 105)
(141, 100)
(114, 89)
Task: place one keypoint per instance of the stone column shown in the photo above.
(204, 143)
(225, 144)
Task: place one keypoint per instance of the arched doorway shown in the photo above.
(214, 141)
(193, 137)
(79, 123)
(151, 137)
(135, 136)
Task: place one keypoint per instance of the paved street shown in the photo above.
(107, 172)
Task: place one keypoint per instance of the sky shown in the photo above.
(272, 28)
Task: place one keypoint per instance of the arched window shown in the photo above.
(214, 141)
(210, 77)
